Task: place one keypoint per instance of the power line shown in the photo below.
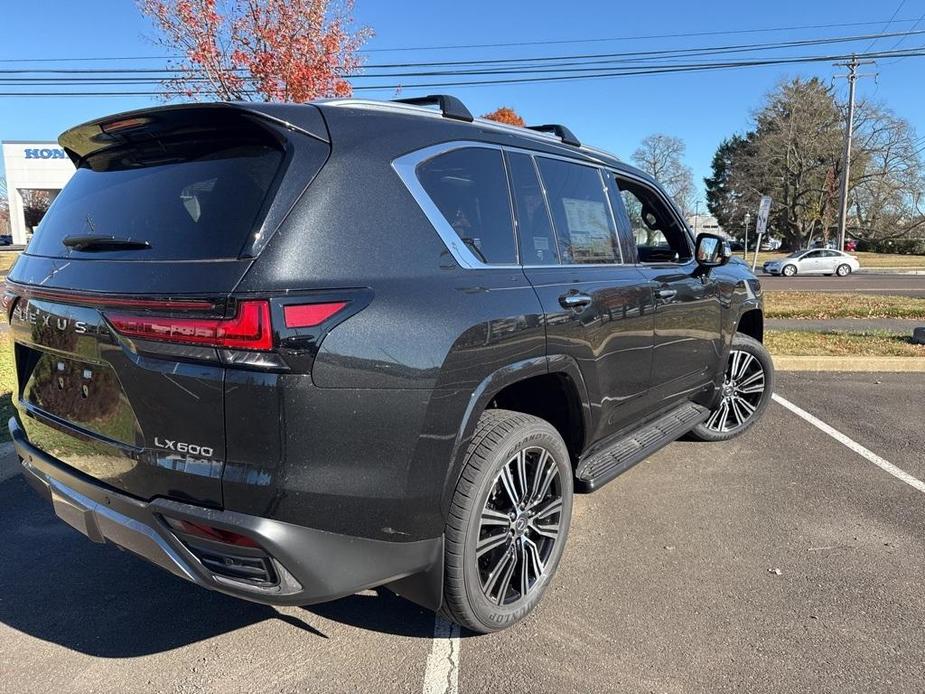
(514, 44)
(602, 57)
(627, 72)
(887, 25)
(557, 68)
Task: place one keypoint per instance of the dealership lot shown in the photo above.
(782, 561)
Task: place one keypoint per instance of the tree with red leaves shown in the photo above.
(258, 50)
(506, 115)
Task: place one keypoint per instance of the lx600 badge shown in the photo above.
(181, 447)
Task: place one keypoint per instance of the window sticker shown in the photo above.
(588, 216)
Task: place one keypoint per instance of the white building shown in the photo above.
(32, 166)
(705, 223)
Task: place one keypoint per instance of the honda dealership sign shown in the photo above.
(44, 153)
(32, 166)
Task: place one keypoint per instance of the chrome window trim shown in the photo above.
(406, 167)
(552, 222)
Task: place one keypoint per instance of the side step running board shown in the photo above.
(601, 467)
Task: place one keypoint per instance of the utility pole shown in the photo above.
(696, 216)
(852, 77)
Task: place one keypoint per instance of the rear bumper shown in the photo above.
(311, 565)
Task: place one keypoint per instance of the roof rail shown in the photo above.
(450, 106)
(563, 133)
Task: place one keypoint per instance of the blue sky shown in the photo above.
(615, 114)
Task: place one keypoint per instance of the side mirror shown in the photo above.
(712, 250)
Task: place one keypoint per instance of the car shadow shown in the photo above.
(378, 610)
(62, 588)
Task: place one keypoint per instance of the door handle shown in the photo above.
(667, 294)
(577, 300)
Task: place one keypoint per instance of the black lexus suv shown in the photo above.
(291, 352)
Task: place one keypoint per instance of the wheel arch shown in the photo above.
(515, 387)
(751, 323)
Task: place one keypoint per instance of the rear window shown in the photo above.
(189, 199)
(470, 189)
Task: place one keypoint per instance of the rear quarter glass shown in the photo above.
(188, 199)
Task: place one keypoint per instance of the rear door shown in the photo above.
(688, 313)
(122, 301)
(598, 309)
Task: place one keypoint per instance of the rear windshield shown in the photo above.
(187, 199)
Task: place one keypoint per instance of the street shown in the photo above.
(782, 561)
(869, 283)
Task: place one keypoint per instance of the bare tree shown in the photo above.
(4, 208)
(662, 157)
(887, 191)
(794, 154)
(35, 204)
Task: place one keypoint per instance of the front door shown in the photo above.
(688, 313)
(813, 263)
(598, 309)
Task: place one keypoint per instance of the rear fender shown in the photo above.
(493, 384)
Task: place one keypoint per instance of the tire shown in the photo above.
(484, 548)
(740, 402)
(789, 270)
(843, 270)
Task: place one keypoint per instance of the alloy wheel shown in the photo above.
(519, 526)
(743, 388)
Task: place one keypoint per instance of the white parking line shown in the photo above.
(441, 674)
(887, 289)
(884, 465)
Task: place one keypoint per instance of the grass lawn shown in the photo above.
(7, 383)
(822, 306)
(867, 259)
(6, 261)
(841, 344)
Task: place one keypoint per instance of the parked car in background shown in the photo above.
(770, 244)
(817, 261)
(851, 245)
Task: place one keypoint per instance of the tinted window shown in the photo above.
(658, 235)
(583, 222)
(534, 228)
(470, 189)
(187, 200)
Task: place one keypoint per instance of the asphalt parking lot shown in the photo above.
(783, 561)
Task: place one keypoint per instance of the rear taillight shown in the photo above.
(249, 329)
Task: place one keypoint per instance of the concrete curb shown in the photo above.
(9, 461)
(889, 271)
(860, 364)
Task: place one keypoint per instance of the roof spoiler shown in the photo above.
(144, 124)
(560, 131)
(449, 106)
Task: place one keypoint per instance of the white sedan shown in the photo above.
(819, 261)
